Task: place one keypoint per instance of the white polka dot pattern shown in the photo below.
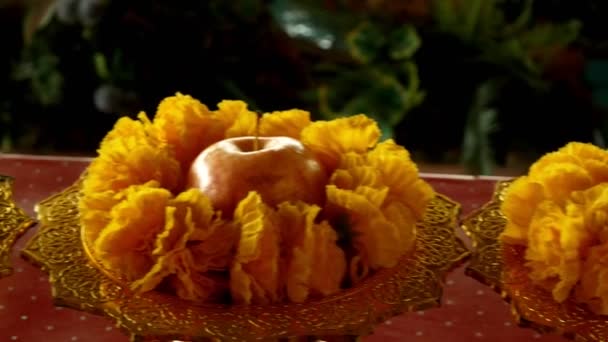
(470, 311)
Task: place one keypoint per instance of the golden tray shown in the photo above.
(13, 223)
(414, 284)
(501, 266)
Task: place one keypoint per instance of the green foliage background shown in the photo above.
(468, 81)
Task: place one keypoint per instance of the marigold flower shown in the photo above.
(593, 289)
(289, 123)
(255, 272)
(187, 126)
(559, 211)
(125, 245)
(313, 263)
(189, 218)
(330, 139)
(140, 223)
(237, 119)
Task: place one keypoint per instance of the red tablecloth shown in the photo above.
(470, 311)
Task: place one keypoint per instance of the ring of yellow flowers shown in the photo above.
(143, 227)
(559, 212)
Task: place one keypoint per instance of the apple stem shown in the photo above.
(256, 140)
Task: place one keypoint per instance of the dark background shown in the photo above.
(484, 84)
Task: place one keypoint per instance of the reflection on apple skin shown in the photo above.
(280, 169)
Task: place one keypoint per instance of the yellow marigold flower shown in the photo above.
(254, 276)
(555, 242)
(561, 179)
(329, 140)
(95, 210)
(237, 119)
(399, 173)
(131, 159)
(190, 218)
(313, 264)
(519, 206)
(328, 260)
(129, 155)
(592, 158)
(125, 246)
(559, 211)
(127, 127)
(377, 240)
(593, 289)
(383, 196)
(289, 123)
(187, 126)
(136, 227)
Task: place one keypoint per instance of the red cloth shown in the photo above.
(470, 311)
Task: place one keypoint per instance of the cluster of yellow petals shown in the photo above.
(559, 211)
(141, 223)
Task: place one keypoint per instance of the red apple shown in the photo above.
(278, 168)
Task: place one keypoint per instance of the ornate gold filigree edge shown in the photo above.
(480, 243)
(120, 300)
(489, 251)
(13, 223)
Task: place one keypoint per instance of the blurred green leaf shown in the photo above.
(404, 42)
(365, 42)
(7, 143)
(38, 15)
(44, 77)
(415, 94)
(471, 18)
(550, 35)
(309, 21)
(477, 151)
(101, 66)
(522, 21)
(376, 94)
(445, 15)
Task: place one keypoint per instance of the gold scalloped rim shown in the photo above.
(13, 223)
(501, 267)
(415, 284)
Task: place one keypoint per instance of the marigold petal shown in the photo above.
(351, 160)
(595, 203)
(356, 176)
(561, 179)
(550, 159)
(189, 213)
(598, 170)
(405, 220)
(593, 288)
(314, 265)
(216, 251)
(329, 140)
(128, 161)
(95, 210)
(125, 245)
(201, 287)
(555, 241)
(328, 260)
(254, 276)
(127, 127)
(187, 126)
(187, 217)
(400, 174)
(237, 119)
(287, 123)
(585, 151)
(377, 240)
(521, 200)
